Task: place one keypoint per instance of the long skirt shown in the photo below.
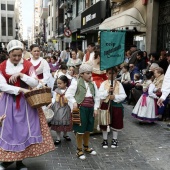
(24, 132)
(145, 109)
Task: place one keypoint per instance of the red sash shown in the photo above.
(25, 70)
(87, 56)
(40, 76)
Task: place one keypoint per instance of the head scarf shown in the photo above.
(85, 68)
(14, 44)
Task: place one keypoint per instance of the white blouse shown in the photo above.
(11, 70)
(118, 97)
(43, 68)
(151, 91)
(71, 91)
(91, 58)
(166, 85)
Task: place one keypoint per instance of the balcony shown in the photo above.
(44, 13)
(62, 4)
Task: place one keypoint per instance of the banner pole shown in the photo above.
(112, 80)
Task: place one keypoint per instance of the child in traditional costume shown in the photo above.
(146, 107)
(83, 94)
(24, 131)
(61, 121)
(112, 103)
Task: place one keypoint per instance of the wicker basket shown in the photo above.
(39, 97)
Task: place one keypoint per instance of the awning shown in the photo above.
(128, 19)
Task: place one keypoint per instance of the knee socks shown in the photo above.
(58, 135)
(105, 134)
(115, 134)
(79, 140)
(86, 137)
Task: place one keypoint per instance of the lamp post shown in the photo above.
(16, 30)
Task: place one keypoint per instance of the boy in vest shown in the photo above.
(83, 94)
(116, 107)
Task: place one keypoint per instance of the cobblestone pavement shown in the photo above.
(141, 147)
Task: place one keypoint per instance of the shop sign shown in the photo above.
(93, 15)
(89, 18)
(81, 37)
(54, 41)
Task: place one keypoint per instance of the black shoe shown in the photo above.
(114, 143)
(5, 165)
(57, 142)
(105, 144)
(20, 166)
(168, 124)
(67, 138)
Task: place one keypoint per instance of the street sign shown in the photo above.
(112, 46)
(67, 32)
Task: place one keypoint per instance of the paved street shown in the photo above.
(141, 147)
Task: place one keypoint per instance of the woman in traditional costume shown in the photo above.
(41, 66)
(98, 76)
(74, 61)
(24, 131)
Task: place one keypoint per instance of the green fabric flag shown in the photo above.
(112, 49)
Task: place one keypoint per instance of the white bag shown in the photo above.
(49, 114)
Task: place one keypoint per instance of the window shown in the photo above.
(81, 5)
(10, 27)
(74, 10)
(10, 7)
(49, 10)
(52, 24)
(3, 7)
(3, 25)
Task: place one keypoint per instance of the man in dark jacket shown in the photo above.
(133, 57)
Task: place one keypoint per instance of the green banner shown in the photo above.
(112, 45)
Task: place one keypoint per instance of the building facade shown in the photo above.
(89, 17)
(7, 22)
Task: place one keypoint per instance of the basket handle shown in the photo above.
(40, 81)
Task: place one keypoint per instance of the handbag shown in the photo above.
(76, 116)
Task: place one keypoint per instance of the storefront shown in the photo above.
(75, 25)
(132, 22)
(91, 18)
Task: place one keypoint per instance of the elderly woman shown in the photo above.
(24, 131)
(159, 77)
